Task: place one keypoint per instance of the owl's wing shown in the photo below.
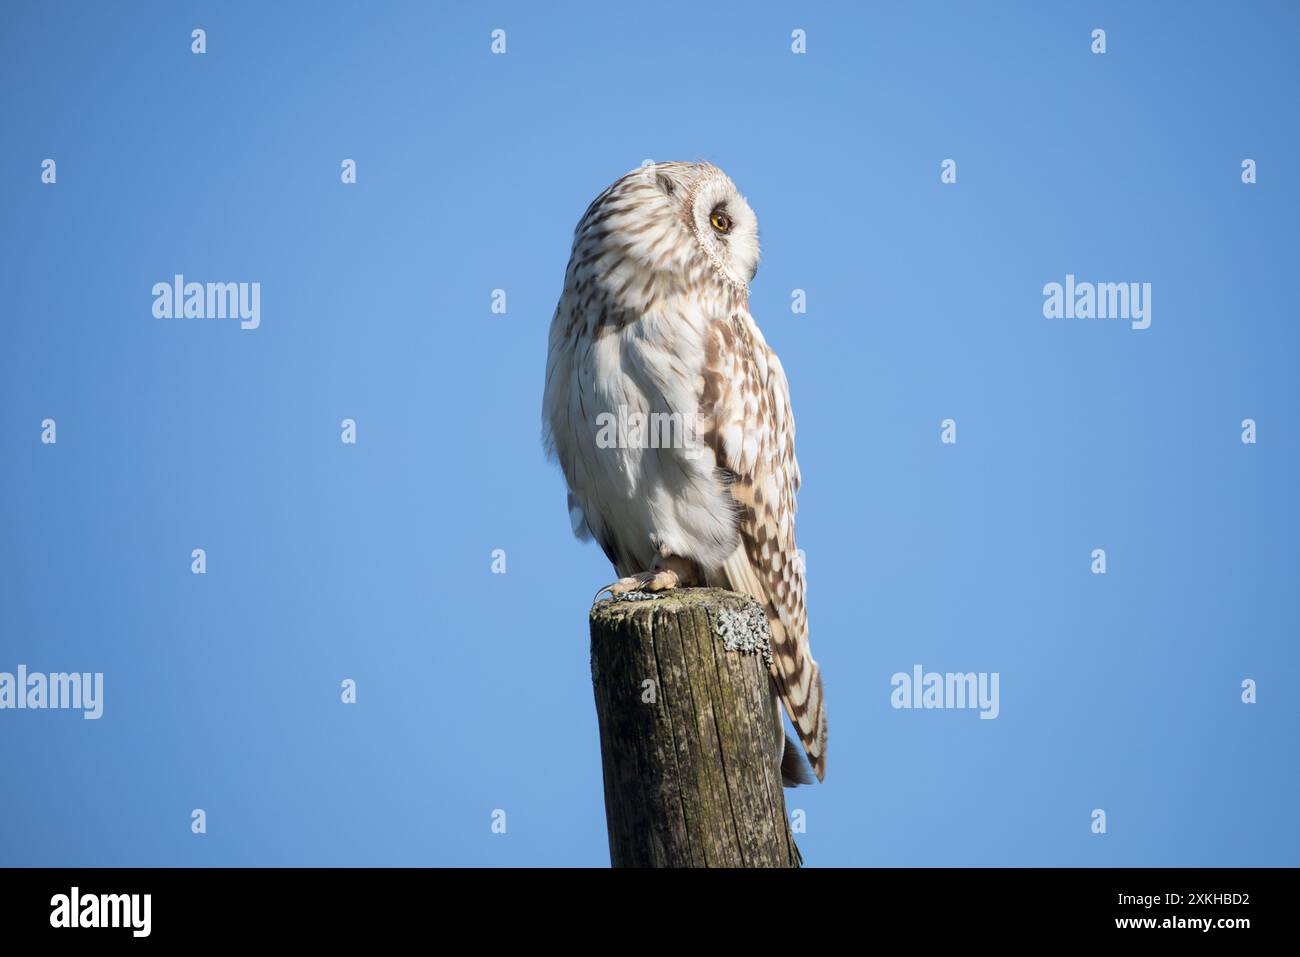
(747, 400)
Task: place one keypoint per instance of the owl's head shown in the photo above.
(658, 221)
(724, 226)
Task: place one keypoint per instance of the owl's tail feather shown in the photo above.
(798, 681)
(806, 710)
(794, 769)
(795, 672)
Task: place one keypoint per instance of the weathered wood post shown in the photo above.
(687, 725)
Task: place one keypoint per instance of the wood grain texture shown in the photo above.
(686, 730)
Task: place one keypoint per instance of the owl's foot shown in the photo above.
(652, 581)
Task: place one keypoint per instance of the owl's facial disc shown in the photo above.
(726, 227)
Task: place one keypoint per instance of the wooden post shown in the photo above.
(687, 726)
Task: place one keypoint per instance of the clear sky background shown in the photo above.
(924, 302)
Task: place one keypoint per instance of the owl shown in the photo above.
(670, 416)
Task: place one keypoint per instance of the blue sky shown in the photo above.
(373, 561)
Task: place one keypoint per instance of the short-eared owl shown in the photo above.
(654, 327)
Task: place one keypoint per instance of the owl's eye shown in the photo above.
(720, 221)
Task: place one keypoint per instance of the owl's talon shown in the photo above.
(615, 589)
(608, 588)
(661, 580)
